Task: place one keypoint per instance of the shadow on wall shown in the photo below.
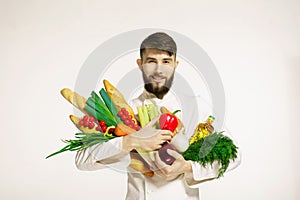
(293, 73)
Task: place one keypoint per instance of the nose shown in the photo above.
(158, 68)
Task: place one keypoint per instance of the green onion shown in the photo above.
(83, 141)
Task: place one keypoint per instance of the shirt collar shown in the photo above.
(150, 96)
(147, 95)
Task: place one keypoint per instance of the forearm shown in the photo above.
(129, 143)
(147, 139)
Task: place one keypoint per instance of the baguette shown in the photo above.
(117, 98)
(75, 99)
(76, 120)
(140, 165)
(179, 126)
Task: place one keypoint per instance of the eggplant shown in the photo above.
(164, 156)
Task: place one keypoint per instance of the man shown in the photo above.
(180, 180)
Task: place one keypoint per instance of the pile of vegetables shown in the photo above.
(107, 116)
(205, 150)
(103, 120)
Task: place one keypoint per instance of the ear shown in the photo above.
(139, 63)
(176, 64)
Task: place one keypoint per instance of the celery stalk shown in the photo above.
(145, 113)
(141, 116)
(157, 112)
(151, 111)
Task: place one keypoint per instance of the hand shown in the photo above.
(170, 172)
(147, 138)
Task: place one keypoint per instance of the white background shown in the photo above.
(254, 45)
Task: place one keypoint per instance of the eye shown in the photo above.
(151, 61)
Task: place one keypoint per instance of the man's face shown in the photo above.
(158, 69)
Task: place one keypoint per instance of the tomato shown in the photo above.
(126, 113)
(85, 118)
(137, 127)
(123, 110)
(98, 128)
(86, 123)
(120, 114)
(127, 122)
(103, 128)
(92, 119)
(124, 118)
(81, 122)
(91, 125)
(102, 123)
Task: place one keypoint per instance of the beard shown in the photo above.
(154, 88)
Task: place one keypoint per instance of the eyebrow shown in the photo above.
(151, 58)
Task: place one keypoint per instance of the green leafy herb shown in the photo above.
(215, 147)
(83, 141)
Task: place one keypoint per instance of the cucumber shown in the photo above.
(110, 105)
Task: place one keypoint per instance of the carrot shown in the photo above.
(122, 130)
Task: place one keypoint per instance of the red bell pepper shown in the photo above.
(167, 122)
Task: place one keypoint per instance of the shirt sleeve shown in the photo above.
(202, 174)
(107, 154)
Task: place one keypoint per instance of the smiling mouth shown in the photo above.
(158, 79)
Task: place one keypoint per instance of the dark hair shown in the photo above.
(161, 41)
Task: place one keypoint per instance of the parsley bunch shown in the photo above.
(215, 147)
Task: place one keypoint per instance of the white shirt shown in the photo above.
(185, 186)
